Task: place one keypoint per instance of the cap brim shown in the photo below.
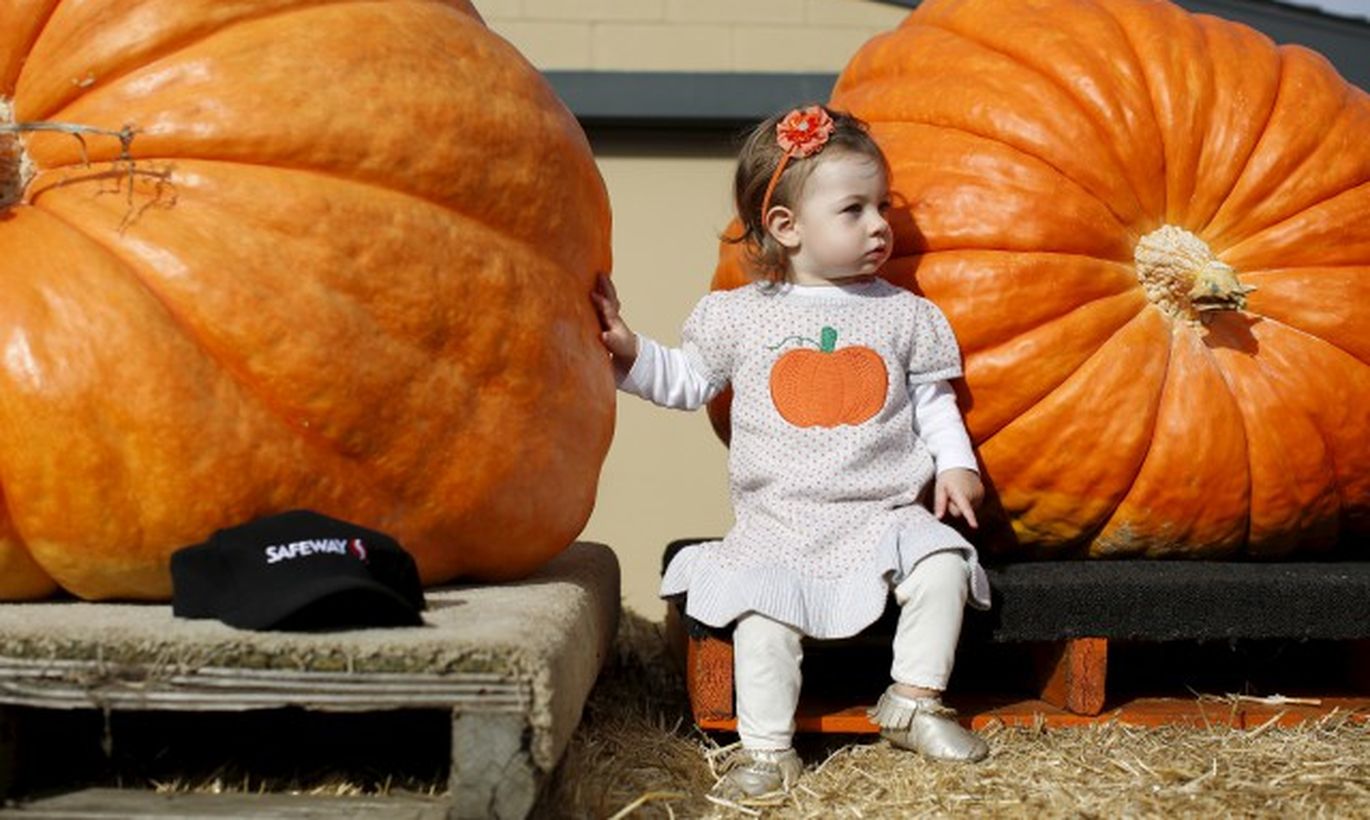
(328, 603)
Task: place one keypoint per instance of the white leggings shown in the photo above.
(767, 653)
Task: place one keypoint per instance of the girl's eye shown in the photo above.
(854, 208)
(884, 206)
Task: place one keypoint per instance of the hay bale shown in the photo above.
(637, 740)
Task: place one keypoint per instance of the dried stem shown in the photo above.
(124, 135)
(125, 166)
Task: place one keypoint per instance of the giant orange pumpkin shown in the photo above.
(344, 264)
(1089, 190)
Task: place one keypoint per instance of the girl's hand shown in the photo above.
(959, 492)
(616, 336)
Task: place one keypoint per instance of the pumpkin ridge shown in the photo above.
(25, 48)
(1031, 400)
(1275, 272)
(872, 119)
(1184, 18)
(374, 327)
(1119, 171)
(1055, 494)
(1251, 152)
(1102, 525)
(1104, 343)
(1009, 252)
(1244, 543)
(1284, 321)
(1314, 239)
(121, 465)
(1346, 99)
(1282, 381)
(1126, 31)
(242, 380)
(1124, 34)
(894, 125)
(1125, 275)
(1275, 384)
(29, 587)
(1277, 450)
(1313, 152)
(533, 249)
(1235, 245)
(138, 60)
(1117, 538)
(1296, 329)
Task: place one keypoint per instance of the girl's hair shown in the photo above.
(760, 154)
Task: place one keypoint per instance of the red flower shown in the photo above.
(804, 131)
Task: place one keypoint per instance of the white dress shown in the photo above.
(825, 469)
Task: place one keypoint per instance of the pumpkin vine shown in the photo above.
(123, 167)
(826, 343)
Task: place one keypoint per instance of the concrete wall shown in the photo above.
(666, 475)
(689, 35)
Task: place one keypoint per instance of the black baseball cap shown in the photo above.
(298, 570)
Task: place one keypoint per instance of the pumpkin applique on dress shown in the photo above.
(828, 387)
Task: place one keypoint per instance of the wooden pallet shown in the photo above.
(109, 804)
(1066, 667)
(1071, 691)
(507, 666)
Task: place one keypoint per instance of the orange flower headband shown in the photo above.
(802, 133)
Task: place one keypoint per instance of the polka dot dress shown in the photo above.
(825, 470)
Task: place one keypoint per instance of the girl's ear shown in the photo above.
(780, 224)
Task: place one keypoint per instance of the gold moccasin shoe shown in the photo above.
(756, 772)
(924, 725)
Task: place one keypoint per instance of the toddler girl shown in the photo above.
(841, 414)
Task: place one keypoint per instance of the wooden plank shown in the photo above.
(1072, 674)
(709, 678)
(811, 716)
(493, 774)
(15, 667)
(103, 804)
(1151, 712)
(241, 702)
(71, 684)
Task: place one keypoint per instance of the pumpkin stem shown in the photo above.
(1184, 278)
(16, 169)
(829, 340)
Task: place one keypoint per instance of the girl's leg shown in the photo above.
(910, 713)
(931, 602)
(766, 657)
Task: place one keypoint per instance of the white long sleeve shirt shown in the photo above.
(664, 376)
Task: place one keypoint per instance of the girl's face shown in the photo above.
(839, 221)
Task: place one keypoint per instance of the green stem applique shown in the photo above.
(829, 337)
(826, 343)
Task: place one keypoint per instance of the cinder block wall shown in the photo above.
(666, 475)
(689, 35)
